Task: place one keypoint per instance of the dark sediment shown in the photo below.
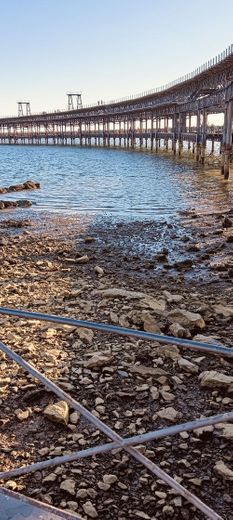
(186, 265)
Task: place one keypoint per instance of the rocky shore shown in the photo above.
(174, 278)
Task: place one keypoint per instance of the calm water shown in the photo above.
(112, 182)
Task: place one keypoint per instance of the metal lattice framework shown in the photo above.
(117, 441)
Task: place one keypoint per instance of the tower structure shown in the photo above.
(21, 106)
(74, 101)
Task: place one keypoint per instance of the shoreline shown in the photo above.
(40, 272)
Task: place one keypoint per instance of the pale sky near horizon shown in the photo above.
(104, 49)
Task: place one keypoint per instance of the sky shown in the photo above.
(104, 49)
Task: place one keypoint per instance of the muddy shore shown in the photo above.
(64, 266)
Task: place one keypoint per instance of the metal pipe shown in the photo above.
(111, 434)
(129, 441)
(103, 327)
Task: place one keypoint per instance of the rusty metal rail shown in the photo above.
(118, 442)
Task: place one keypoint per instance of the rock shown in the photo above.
(172, 298)
(88, 240)
(24, 203)
(167, 396)
(168, 352)
(225, 311)
(186, 318)
(150, 325)
(119, 293)
(223, 471)
(214, 379)
(110, 479)
(73, 506)
(98, 270)
(98, 360)
(89, 509)
(82, 259)
(50, 478)
(178, 331)
(206, 339)
(145, 371)
(187, 366)
(22, 414)
(141, 514)
(169, 413)
(226, 430)
(68, 485)
(152, 303)
(85, 335)
(74, 417)
(57, 412)
(227, 222)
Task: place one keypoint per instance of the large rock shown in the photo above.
(186, 318)
(214, 379)
(98, 360)
(57, 412)
(170, 414)
(149, 324)
(222, 310)
(154, 304)
(145, 371)
(187, 366)
(89, 509)
(223, 471)
(226, 430)
(68, 485)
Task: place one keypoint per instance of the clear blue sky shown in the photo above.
(105, 49)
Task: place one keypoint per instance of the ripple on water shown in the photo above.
(121, 183)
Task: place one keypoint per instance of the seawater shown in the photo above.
(112, 182)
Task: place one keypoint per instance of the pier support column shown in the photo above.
(152, 132)
(203, 137)
(141, 132)
(227, 139)
(175, 132)
(198, 136)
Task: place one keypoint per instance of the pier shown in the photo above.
(167, 117)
